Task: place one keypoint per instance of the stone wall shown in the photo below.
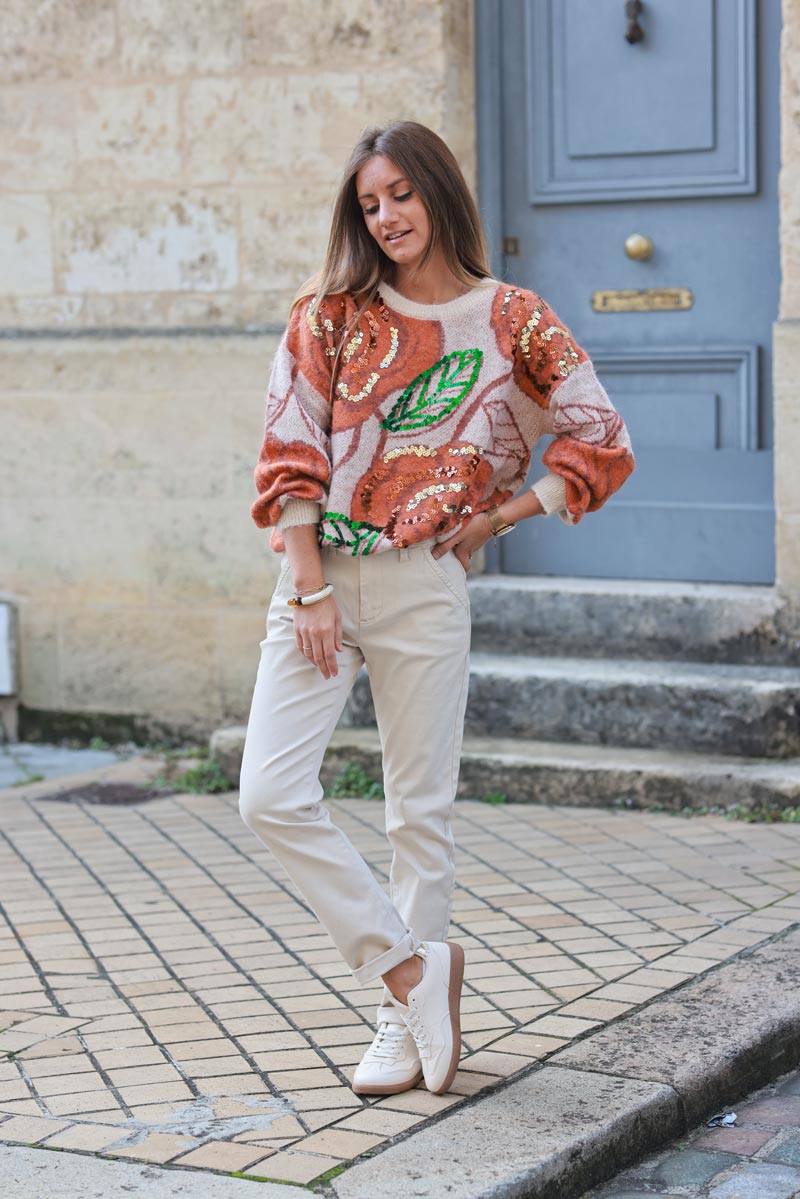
(173, 164)
(168, 171)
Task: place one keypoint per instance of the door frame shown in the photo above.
(487, 25)
(487, 17)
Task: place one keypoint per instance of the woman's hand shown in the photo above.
(317, 627)
(477, 530)
(318, 631)
(469, 538)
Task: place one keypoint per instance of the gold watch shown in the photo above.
(496, 522)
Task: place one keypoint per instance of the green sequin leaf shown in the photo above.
(436, 392)
(347, 533)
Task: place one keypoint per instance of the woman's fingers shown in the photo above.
(329, 659)
(318, 637)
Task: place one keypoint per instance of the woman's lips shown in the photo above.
(399, 237)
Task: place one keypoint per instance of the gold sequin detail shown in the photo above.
(434, 489)
(569, 360)
(345, 393)
(360, 363)
(312, 324)
(421, 451)
(316, 330)
(465, 449)
(525, 335)
(387, 361)
(352, 345)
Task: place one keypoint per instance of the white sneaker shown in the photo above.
(433, 1012)
(391, 1063)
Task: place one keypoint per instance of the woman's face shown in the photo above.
(393, 212)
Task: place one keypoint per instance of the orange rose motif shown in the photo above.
(432, 487)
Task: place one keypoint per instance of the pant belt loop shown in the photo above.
(403, 555)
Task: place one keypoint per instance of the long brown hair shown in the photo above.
(355, 263)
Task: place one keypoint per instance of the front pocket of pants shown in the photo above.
(284, 567)
(441, 567)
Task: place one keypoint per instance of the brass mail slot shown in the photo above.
(656, 299)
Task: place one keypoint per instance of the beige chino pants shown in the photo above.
(406, 614)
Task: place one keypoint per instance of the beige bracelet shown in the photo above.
(299, 601)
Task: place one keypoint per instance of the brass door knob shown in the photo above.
(639, 247)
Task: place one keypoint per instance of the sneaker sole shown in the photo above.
(386, 1089)
(455, 984)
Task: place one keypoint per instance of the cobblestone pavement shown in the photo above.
(759, 1158)
(168, 997)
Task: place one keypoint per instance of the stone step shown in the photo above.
(708, 707)
(527, 771)
(607, 618)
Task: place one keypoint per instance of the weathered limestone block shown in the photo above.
(788, 554)
(179, 37)
(37, 148)
(263, 310)
(53, 40)
(128, 134)
(198, 364)
(204, 552)
(356, 35)
(85, 549)
(146, 242)
(789, 199)
(269, 309)
(26, 265)
(125, 445)
(157, 661)
(787, 417)
(239, 633)
(301, 126)
(37, 625)
(245, 129)
(284, 234)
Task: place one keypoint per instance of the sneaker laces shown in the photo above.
(389, 1041)
(416, 1026)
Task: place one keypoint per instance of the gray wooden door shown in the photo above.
(586, 139)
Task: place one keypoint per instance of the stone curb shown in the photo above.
(601, 1104)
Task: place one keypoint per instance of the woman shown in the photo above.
(406, 396)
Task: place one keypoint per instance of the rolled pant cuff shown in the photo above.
(379, 965)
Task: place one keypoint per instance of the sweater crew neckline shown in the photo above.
(436, 312)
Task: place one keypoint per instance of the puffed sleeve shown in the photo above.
(294, 463)
(590, 456)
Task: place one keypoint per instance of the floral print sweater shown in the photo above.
(436, 411)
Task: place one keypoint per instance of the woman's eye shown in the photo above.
(374, 209)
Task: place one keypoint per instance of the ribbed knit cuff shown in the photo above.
(551, 491)
(298, 512)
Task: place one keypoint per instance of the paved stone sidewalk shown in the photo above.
(759, 1158)
(169, 998)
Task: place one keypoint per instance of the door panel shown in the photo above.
(598, 140)
(672, 115)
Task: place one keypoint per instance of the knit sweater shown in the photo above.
(436, 411)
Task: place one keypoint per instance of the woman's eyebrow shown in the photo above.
(371, 195)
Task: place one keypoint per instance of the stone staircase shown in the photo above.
(610, 692)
